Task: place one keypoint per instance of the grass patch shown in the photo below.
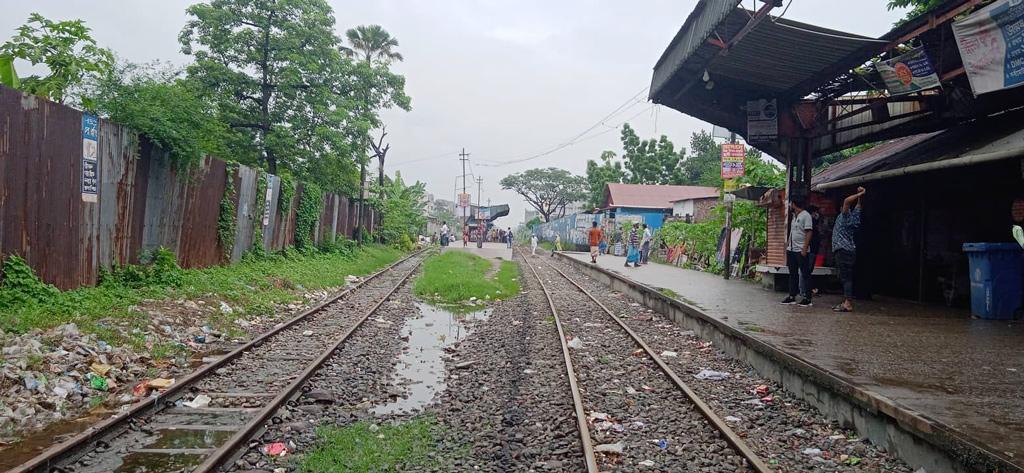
(251, 286)
(455, 277)
(361, 447)
(668, 292)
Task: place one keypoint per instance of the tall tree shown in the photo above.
(547, 190)
(66, 48)
(599, 175)
(373, 46)
(272, 67)
(650, 161)
(371, 43)
(403, 207)
(703, 167)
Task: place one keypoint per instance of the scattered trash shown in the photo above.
(767, 399)
(646, 463)
(575, 343)
(199, 338)
(630, 390)
(160, 383)
(529, 371)
(711, 375)
(199, 401)
(98, 383)
(849, 460)
(307, 333)
(225, 308)
(350, 279)
(610, 448)
(813, 452)
(732, 419)
(101, 369)
(464, 365)
(276, 449)
(669, 354)
(663, 444)
(647, 388)
(761, 390)
(638, 352)
(637, 425)
(516, 323)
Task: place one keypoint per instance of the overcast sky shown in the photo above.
(505, 80)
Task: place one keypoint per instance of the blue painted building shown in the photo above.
(638, 203)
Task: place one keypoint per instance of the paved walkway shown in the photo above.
(965, 373)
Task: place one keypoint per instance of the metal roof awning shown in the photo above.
(966, 145)
(726, 55)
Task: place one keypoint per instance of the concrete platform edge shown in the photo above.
(913, 437)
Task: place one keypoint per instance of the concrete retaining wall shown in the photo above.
(916, 439)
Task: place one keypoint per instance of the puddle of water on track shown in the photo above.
(183, 438)
(155, 462)
(421, 366)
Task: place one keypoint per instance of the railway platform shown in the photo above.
(965, 373)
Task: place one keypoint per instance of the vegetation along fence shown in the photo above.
(78, 195)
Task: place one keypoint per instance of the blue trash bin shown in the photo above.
(997, 279)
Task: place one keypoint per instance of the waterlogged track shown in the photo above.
(245, 389)
(633, 411)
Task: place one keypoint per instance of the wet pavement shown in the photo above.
(420, 371)
(963, 372)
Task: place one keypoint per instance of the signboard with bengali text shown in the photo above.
(909, 72)
(991, 43)
(733, 158)
(90, 163)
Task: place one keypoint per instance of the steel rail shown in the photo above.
(577, 399)
(225, 452)
(153, 404)
(731, 438)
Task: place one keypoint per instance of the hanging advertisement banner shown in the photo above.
(733, 156)
(762, 121)
(991, 43)
(90, 165)
(464, 200)
(909, 72)
(483, 213)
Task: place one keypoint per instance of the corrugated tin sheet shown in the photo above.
(120, 196)
(246, 211)
(42, 216)
(699, 26)
(269, 214)
(199, 245)
(144, 201)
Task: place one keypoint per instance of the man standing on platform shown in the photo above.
(595, 238)
(508, 236)
(797, 249)
(844, 246)
(645, 245)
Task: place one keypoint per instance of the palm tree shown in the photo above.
(371, 42)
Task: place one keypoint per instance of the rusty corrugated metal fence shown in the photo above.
(142, 200)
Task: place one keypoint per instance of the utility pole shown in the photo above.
(464, 156)
(479, 224)
(728, 223)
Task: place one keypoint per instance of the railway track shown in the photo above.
(245, 389)
(631, 407)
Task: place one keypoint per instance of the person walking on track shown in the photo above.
(508, 237)
(844, 246)
(633, 248)
(595, 237)
(533, 244)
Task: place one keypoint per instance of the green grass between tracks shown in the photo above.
(252, 287)
(454, 277)
(361, 447)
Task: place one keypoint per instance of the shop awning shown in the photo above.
(965, 145)
(748, 55)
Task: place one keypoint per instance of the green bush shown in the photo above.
(21, 286)
(157, 268)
